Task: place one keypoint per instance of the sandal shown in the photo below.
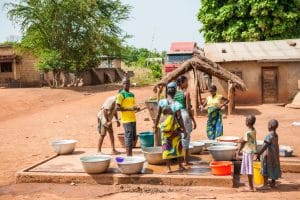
(246, 189)
(264, 187)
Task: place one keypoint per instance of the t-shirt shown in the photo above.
(180, 98)
(175, 106)
(214, 101)
(126, 100)
(250, 139)
(109, 104)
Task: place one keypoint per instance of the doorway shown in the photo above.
(270, 84)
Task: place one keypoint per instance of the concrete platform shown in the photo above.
(67, 169)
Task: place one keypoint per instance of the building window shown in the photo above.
(6, 67)
(238, 73)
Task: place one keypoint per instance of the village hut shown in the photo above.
(270, 69)
(198, 68)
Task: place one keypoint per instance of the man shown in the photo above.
(105, 116)
(126, 104)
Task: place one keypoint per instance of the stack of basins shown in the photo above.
(223, 152)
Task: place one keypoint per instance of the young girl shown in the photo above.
(248, 144)
(269, 155)
(182, 96)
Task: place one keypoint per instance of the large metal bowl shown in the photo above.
(153, 155)
(207, 142)
(197, 147)
(131, 165)
(94, 164)
(64, 146)
(224, 144)
(259, 145)
(228, 139)
(222, 153)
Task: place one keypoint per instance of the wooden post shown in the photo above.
(230, 97)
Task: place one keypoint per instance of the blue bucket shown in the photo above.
(146, 139)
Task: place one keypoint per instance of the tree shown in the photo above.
(249, 20)
(76, 30)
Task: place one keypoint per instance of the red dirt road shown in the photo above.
(31, 118)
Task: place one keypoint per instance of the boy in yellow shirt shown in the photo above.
(126, 104)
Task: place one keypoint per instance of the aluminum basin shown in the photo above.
(131, 165)
(153, 155)
(94, 164)
(228, 139)
(222, 153)
(64, 146)
(224, 144)
(259, 145)
(197, 147)
(207, 142)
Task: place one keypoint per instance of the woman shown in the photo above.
(214, 103)
(183, 97)
(171, 126)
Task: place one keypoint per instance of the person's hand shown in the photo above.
(108, 124)
(237, 155)
(184, 135)
(118, 123)
(257, 157)
(195, 125)
(136, 108)
(155, 129)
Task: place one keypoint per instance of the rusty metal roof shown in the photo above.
(275, 50)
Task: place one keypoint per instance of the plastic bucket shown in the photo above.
(221, 168)
(258, 178)
(146, 139)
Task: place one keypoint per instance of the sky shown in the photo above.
(154, 24)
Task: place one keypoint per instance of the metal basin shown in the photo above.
(259, 145)
(131, 165)
(224, 144)
(153, 155)
(95, 163)
(207, 142)
(64, 146)
(197, 147)
(228, 139)
(222, 153)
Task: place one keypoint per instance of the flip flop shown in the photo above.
(264, 187)
(246, 189)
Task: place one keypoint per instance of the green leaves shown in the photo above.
(249, 20)
(78, 31)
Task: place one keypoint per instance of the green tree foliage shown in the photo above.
(249, 20)
(76, 30)
(141, 57)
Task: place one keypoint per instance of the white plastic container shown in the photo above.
(64, 146)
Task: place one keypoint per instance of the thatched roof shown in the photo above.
(201, 63)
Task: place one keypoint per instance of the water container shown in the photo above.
(146, 139)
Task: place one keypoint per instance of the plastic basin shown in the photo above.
(64, 146)
(146, 139)
(221, 168)
(197, 147)
(222, 153)
(131, 165)
(153, 155)
(95, 163)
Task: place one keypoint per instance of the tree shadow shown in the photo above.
(90, 89)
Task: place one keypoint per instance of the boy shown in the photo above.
(105, 116)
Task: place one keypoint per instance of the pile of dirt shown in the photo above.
(296, 102)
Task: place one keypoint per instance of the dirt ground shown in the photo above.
(31, 118)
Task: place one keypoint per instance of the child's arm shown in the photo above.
(263, 149)
(189, 108)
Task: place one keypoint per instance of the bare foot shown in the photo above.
(187, 164)
(264, 187)
(169, 171)
(181, 168)
(115, 152)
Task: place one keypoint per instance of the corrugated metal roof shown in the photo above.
(281, 50)
(183, 46)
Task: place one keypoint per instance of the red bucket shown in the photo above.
(221, 168)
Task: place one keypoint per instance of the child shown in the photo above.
(248, 144)
(270, 164)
